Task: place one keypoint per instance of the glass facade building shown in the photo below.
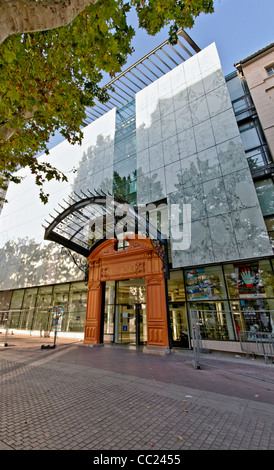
(190, 144)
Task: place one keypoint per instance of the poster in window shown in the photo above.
(197, 285)
(57, 318)
(249, 280)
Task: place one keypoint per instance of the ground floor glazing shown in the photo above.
(228, 298)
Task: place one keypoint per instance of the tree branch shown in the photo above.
(7, 131)
(25, 16)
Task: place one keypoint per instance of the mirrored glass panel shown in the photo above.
(15, 307)
(77, 307)
(43, 309)
(28, 309)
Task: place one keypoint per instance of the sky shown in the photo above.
(238, 27)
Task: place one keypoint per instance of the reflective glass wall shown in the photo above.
(125, 163)
(32, 309)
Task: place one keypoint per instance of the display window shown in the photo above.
(214, 319)
(249, 280)
(205, 283)
(252, 316)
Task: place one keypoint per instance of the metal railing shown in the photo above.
(258, 344)
(252, 328)
(196, 337)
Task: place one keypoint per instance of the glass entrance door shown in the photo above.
(127, 324)
(125, 319)
(132, 324)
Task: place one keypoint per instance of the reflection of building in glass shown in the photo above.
(176, 134)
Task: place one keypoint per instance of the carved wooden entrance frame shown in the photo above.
(138, 260)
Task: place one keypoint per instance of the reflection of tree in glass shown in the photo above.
(125, 186)
(150, 188)
(26, 262)
(96, 159)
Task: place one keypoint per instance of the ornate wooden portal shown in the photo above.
(138, 260)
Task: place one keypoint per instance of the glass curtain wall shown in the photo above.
(5, 299)
(240, 96)
(28, 308)
(42, 318)
(125, 160)
(77, 307)
(15, 307)
(32, 309)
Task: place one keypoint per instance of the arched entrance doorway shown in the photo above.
(90, 226)
(138, 260)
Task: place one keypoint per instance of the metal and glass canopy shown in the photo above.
(89, 219)
(152, 66)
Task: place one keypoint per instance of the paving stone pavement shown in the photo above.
(107, 399)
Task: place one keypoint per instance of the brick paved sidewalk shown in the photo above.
(62, 400)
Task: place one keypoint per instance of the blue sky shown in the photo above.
(238, 27)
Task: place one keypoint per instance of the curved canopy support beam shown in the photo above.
(88, 220)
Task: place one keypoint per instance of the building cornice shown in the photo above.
(254, 57)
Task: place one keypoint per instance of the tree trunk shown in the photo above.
(7, 131)
(25, 16)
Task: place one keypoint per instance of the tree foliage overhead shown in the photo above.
(49, 77)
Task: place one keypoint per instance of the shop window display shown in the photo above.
(205, 284)
(251, 286)
(206, 293)
(215, 320)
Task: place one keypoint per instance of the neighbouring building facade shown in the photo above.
(257, 73)
(167, 214)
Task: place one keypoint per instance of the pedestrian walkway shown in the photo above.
(75, 397)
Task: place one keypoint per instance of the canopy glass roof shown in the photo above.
(90, 219)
